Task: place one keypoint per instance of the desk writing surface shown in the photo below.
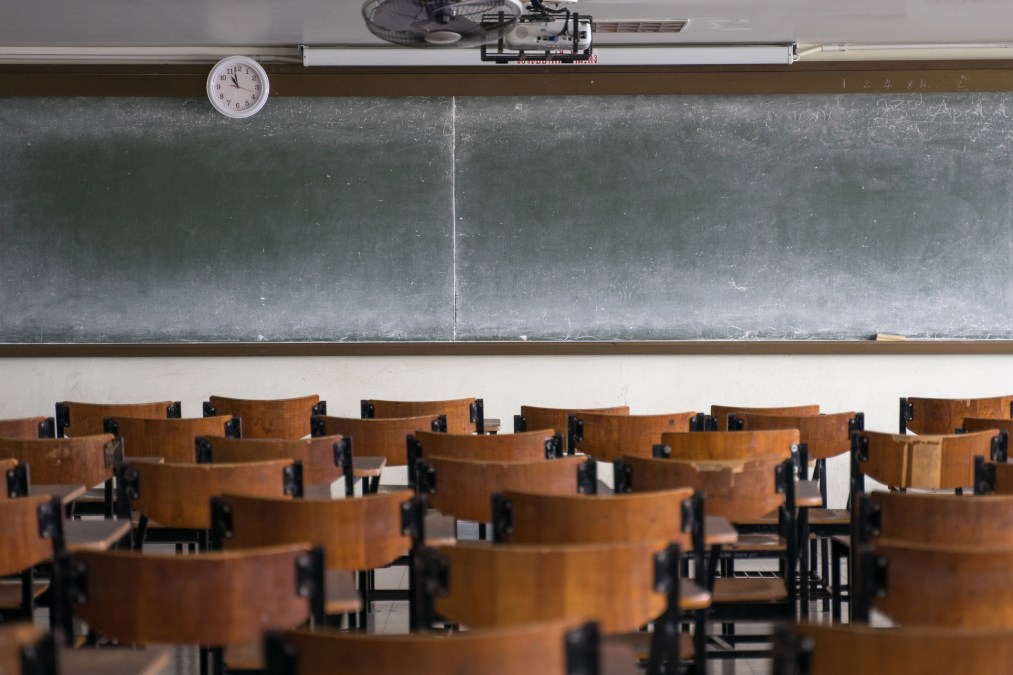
(502, 218)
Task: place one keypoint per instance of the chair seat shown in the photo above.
(692, 596)
(341, 597)
(757, 543)
(10, 592)
(750, 589)
(246, 656)
(824, 517)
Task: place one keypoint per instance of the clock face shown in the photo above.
(238, 86)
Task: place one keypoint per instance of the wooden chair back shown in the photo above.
(721, 412)
(944, 519)
(179, 495)
(986, 423)
(940, 462)
(609, 437)
(74, 418)
(739, 490)
(287, 418)
(212, 599)
(77, 460)
(538, 648)
(825, 435)
(316, 454)
(558, 419)
(28, 427)
(940, 416)
(382, 437)
(993, 477)
(493, 585)
(526, 446)
(858, 649)
(464, 488)
(538, 518)
(14, 639)
(952, 586)
(174, 440)
(356, 534)
(729, 445)
(22, 545)
(6, 464)
(464, 415)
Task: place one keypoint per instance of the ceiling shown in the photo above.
(195, 29)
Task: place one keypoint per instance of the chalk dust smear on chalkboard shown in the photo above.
(756, 217)
(144, 220)
(554, 218)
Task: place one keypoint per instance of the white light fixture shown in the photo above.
(606, 55)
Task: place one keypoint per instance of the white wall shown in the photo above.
(648, 384)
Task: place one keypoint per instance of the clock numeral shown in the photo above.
(221, 96)
(222, 78)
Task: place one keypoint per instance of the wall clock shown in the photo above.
(238, 86)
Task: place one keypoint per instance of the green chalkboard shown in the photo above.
(154, 220)
(440, 219)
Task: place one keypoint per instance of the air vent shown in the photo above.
(673, 26)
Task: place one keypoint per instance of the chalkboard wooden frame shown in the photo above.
(631, 348)
(805, 77)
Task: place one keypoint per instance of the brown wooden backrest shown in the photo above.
(179, 495)
(526, 446)
(825, 435)
(557, 419)
(947, 586)
(357, 534)
(942, 462)
(721, 412)
(609, 437)
(211, 598)
(268, 418)
(316, 454)
(21, 545)
(730, 445)
(86, 419)
(944, 415)
(858, 649)
(458, 411)
(14, 637)
(464, 488)
(78, 460)
(537, 648)
(1003, 478)
(986, 423)
(6, 464)
(738, 490)
(174, 440)
(539, 518)
(945, 520)
(495, 585)
(377, 437)
(24, 427)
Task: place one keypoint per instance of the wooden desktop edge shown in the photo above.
(509, 348)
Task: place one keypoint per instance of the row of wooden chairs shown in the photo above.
(543, 449)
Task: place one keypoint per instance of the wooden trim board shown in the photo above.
(603, 348)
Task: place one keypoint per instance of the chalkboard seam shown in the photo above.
(509, 348)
